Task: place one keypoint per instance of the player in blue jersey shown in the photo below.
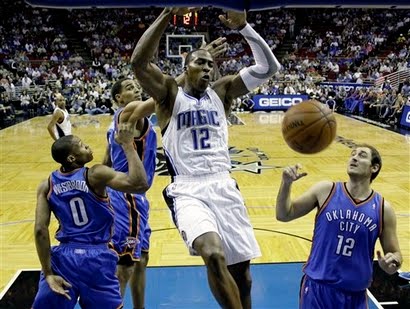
(132, 232)
(350, 217)
(194, 131)
(83, 264)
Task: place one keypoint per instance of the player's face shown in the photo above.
(60, 100)
(82, 152)
(130, 91)
(360, 162)
(199, 70)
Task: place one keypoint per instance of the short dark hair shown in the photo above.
(116, 88)
(61, 148)
(375, 159)
(189, 56)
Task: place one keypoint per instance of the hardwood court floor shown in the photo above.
(258, 153)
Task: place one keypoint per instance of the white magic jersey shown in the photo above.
(63, 128)
(196, 139)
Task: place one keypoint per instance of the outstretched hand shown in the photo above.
(58, 285)
(389, 263)
(234, 19)
(216, 47)
(292, 173)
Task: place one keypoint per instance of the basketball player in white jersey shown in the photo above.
(59, 124)
(204, 200)
(132, 268)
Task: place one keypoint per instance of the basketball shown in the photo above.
(309, 127)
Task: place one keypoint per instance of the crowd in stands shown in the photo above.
(31, 33)
(358, 46)
(352, 45)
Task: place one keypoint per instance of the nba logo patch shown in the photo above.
(131, 242)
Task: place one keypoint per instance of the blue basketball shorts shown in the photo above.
(90, 269)
(131, 229)
(315, 295)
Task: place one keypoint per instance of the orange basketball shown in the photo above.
(309, 127)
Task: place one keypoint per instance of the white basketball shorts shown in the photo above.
(212, 203)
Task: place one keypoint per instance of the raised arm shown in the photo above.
(287, 209)
(392, 259)
(137, 110)
(148, 74)
(265, 65)
(100, 176)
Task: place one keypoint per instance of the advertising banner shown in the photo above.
(276, 102)
(405, 117)
(346, 86)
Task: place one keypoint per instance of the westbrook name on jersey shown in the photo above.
(84, 217)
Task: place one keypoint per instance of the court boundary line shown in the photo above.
(388, 303)
(374, 124)
(14, 278)
(16, 222)
(10, 283)
(374, 300)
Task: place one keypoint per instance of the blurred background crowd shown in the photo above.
(81, 53)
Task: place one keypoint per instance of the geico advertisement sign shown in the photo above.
(408, 117)
(286, 102)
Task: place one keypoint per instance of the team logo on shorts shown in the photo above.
(131, 242)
